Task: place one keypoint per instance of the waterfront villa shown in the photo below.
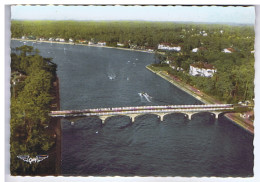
(149, 49)
(202, 69)
(228, 50)
(169, 47)
(101, 43)
(82, 41)
(90, 43)
(120, 44)
(60, 40)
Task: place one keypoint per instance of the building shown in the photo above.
(90, 43)
(195, 50)
(82, 41)
(149, 49)
(169, 47)
(202, 69)
(120, 44)
(101, 43)
(199, 49)
(228, 50)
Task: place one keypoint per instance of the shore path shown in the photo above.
(244, 123)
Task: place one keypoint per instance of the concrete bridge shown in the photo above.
(160, 111)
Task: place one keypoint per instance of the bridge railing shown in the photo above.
(144, 109)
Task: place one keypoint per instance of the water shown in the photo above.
(93, 77)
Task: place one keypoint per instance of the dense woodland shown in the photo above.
(32, 80)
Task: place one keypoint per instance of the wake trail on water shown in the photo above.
(147, 97)
(110, 73)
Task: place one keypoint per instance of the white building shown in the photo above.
(169, 47)
(202, 69)
(71, 40)
(228, 50)
(120, 44)
(90, 43)
(195, 50)
(101, 43)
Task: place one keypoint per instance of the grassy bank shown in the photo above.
(204, 98)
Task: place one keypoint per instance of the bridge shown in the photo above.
(160, 111)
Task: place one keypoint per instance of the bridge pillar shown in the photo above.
(216, 114)
(132, 117)
(189, 115)
(161, 116)
(103, 118)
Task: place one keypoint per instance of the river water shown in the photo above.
(94, 77)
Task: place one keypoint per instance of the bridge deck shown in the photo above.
(142, 110)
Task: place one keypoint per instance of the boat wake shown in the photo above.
(146, 96)
(112, 76)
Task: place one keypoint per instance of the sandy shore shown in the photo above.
(204, 98)
(70, 43)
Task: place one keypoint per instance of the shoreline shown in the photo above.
(68, 43)
(233, 117)
(202, 97)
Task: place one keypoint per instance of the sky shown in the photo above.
(207, 14)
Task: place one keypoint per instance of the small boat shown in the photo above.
(112, 76)
(146, 96)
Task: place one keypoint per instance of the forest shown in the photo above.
(234, 80)
(32, 78)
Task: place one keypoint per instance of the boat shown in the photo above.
(146, 96)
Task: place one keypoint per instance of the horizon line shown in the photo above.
(190, 22)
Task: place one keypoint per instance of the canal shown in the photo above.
(94, 77)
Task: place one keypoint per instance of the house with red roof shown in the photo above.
(228, 50)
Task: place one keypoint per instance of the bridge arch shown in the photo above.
(212, 113)
(136, 116)
(185, 115)
(104, 119)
